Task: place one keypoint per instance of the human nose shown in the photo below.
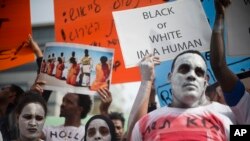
(191, 76)
(97, 136)
(32, 122)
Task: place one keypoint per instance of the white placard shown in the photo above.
(238, 28)
(164, 30)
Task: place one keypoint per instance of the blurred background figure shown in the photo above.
(119, 121)
(215, 93)
(9, 97)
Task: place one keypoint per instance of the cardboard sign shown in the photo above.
(163, 30)
(76, 68)
(91, 22)
(238, 28)
(15, 25)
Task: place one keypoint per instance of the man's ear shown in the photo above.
(169, 76)
(207, 79)
(81, 109)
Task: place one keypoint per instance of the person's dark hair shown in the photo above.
(18, 90)
(73, 54)
(185, 52)
(59, 59)
(72, 60)
(107, 120)
(103, 59)
(85, 102)
(30, 97)
(117, 116)
(19, 93)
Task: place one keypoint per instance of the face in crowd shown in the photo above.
(118, 128)
(99, 128)
(188, 80)
(69, 105)
(31, 112)
(75, 106)
(31, 121)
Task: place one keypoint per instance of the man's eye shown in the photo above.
(199, 72)
(184, 69)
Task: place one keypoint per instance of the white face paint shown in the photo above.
(188, 80)
(31, 121)
(98, 130)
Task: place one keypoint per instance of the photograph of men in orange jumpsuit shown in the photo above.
(73, 72)
(59, 68)
(102, 74)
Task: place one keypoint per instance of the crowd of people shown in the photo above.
(199, 111)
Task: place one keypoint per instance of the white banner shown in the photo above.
(238, 27)
(164, 30)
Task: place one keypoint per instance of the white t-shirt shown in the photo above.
(64, 133)
(204, 123)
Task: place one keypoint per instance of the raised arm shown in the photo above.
(140, 106)
(106, 100)
(34, 46)
(223, 74)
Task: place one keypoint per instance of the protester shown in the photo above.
(144, 94)
(30, 113)
(234, 91)
(9, 96)
(74, 108)
(191, 116)
(119, 122)
(99, 128)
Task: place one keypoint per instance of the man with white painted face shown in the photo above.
(191, 116)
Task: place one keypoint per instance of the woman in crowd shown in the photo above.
(99, 128)
(30, 113)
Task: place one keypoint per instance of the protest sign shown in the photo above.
(238, 28)
(91, 22)
(15, 26)
(163, 30)
(162, 85)
(76, 68)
